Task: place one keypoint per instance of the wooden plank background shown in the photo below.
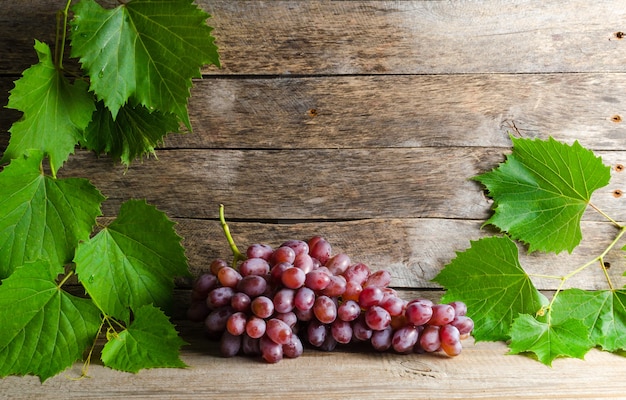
(363, 121)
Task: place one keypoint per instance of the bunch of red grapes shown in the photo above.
(279, 298)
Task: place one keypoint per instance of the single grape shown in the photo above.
(329, 343)
(316, 333)
(370, 296)
(377, 318)
(320, 249)
(325, 309)
(293, 348)
(230, 344)
(228, 277)
(284, 300)
(449, 335)
(304, 315)
(418, 313)
(404, 339)
(393, 304)
(276, 273)
(219, 297)
(357, 273)
(271, 351)
(284, 254)
(298, 246)
(255, 327)
(215, 322)
(429, 339)
(216, 265)
(338, 263)
(249, 345)
(380, 278)
(460, 308)
(236, 323)
(348, 311)
(252, 285)
(442, 314)
(240, 302)
(463, 323)
(452, 349)
(254, 266)
(352, 292)
(341, 331)
(360, 330)
(203, 285)
(304, 262)
(293, 278)
(278, 331)
(259, 250)
(304, 299)
(289, 318)
(262, 306)
(317, 280)
(381, 339)
(336, 287)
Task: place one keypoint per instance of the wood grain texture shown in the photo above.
(379, 37)
(316, 184)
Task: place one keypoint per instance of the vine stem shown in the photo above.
(61, 35)
(237, 255)
(605, 215)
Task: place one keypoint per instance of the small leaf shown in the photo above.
(603, 312)
(541, 192)
(135, 132)
(549, 340)
(46, 329)
(490, 280)
(42, 217)
(151, 341)
(55, 111)
(148, 50)
(133, 261)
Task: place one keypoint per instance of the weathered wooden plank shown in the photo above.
(398, 111)
(413, 250)
(481, 371)
(406, 111)
(316, 184)
(374, 37)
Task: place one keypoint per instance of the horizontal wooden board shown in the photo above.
(378, 37)
(413, 250)
(316, 184)
(481, 371)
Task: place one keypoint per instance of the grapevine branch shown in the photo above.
(237, 255)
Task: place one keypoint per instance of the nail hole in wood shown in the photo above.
(619, 167)
(616, 118)
(607, 265)
(617, 193)
(619, 35)
(312, 112)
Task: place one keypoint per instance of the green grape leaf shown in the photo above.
(148, 50)
(490, 280)
(603, 312)
(47, 329)
(549, 340)
(542, 190)
(149, 341)
(136, 131)
(55, 111)
(132, 262)
(42, 217)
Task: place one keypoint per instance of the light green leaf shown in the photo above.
(148, 50)
(55, 111)
(135, 132)
(151, 341)
(541, 192)
(549, 340)
(42, 217)
(133, 261)
(44, 329)
(603, 312)
(490, 280)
